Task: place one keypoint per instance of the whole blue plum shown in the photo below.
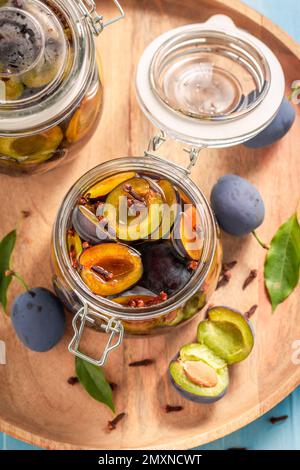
(237, 204)
(277, 129)
(38, 318)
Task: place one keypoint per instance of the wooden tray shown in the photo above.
(36, 402)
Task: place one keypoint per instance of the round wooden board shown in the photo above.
(36, 402)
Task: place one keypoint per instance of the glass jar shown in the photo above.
(51, 91)
(101, 312)
(205, 85)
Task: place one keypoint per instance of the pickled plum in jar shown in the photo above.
(137, 240)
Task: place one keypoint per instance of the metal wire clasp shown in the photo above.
(112, 326)
(89, 11)
(158, 140)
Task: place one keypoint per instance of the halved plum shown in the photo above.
(184, 198)
(134, 209)
(89, 227)
(85, 117)
(110, 268)
(171, 210)
(194, 305)
(140, 327)
(134, 301)
(105, 186)
(139, 297)
(34, 148)
(187, 236)
(74, 247)
(173, 318)
(227, 333)
(198, 374)
(14, 88)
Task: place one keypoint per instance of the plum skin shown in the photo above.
(237, 204)
(38, 319)
(162, 270)
(277, 129)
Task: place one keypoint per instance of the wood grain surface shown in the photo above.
(36, 402)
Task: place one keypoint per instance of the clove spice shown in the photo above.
(173, 409)
(103, 272)
(224, 279)
(131, 191)
(72, 380)
(277, 419)
(142, 363)
(228, 266)
(250, 278)
(193, 265)
(138, 303)
(113, 424)
(26, 214)
(250, 312)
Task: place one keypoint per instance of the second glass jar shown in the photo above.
(51, 91)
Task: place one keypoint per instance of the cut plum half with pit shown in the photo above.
(134, 209)
(110, 268)
(199, 374)
(227, 333)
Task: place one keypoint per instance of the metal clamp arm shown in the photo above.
(158, 140)
(89, 11)
(111, 326)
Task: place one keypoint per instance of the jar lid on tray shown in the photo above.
(210, 84)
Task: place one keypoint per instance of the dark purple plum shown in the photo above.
(237, 204)
(163, 271)
(38, 319)
(277, 129)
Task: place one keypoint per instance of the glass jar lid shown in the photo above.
(33, 50)
(41, 69)
(209, 84)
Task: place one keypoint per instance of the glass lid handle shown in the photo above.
(158, 140)
(89, 11)
(111, 326)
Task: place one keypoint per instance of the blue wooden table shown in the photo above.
(261, 434)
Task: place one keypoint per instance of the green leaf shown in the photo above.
(282, 263)
(6, 248)
(93, 380)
